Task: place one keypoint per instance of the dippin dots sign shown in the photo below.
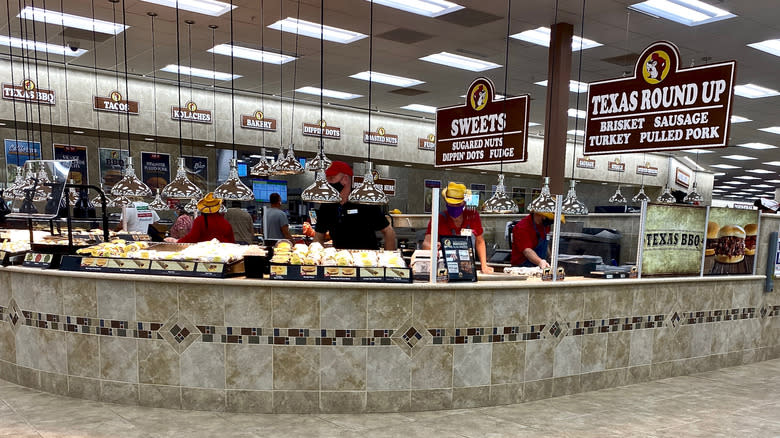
(661, 107)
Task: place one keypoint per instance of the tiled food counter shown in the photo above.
(277, 346)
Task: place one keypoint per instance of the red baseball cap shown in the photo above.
(337, 167)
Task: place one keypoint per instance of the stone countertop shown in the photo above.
(535, 283)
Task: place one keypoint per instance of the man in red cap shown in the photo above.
(351, 226)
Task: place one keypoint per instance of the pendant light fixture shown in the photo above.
(130, 185)
(693, 196)
(500, 202)
(192, 206)
(233, 188)
(572, 205)
(119, 201)
(641, 196)
(618, 197)
(180, 187)
(98, 201)
(666, 196)
(13, 192)
(263, 167)
(544, 203)
(369, 192)
(157, 204)
(320, 191)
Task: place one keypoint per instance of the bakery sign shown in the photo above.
(586, 163)
(482, 130)
(387, 184)
(114, 103)
(380, 137)
(427, 144)
(647, 170)
(661, 107)
(191, 113)
(321, 129)
(28, 92)
(258, 121)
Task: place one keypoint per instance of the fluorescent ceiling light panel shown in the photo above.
(534, 124)
(773, 181)
(461, 62)
(40, 47)
(574, 86)
(769, 46)
(725, 166)
(382, 78)
(199, 72)
(752, 190)
(74, 21)
(772, 163)
(580, 114)
(738, 157)
(764, 186)
(740, 119)
(427, 8)
(697, 151)
(496, 97)
(205, 7)
(421, 108)
(753, 91)
(771, 129)
(724, 187)
(736, 183)
(328, 93)
(579, 132)
(761, 171)
(746, 177)
(687, 12)
(719, 173)
(693, 163)
(541, 36)
(309, 29)
(757, 146)
(251, 54)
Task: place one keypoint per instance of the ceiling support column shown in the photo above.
(556, 116)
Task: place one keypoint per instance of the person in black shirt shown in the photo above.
(351, 226)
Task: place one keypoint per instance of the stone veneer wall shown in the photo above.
(261, 346)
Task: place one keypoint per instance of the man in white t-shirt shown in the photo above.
(137, 217)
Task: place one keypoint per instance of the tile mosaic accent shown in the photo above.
(14, 315)
(411, 337)
(179, 332)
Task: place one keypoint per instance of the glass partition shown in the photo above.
(40, 195)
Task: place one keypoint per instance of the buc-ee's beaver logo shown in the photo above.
(192, 106)
(28, 85)
(115, 96)
(259, 115)
(656, 67)
(479, 97)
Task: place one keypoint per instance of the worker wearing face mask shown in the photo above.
(529, 240)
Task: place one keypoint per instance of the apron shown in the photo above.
(540, 250)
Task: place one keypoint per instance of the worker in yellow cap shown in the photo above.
(529, 239)
(457, 221)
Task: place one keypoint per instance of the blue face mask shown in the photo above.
(455, 211)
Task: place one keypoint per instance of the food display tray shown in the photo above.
(11, 258)
(152, 267)
(340, 273)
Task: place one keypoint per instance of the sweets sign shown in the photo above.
(482, 130)
(661, 107)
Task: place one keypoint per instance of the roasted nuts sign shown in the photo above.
(661, 106)
(28, 92)
(321, 129)
(191, 113)
(483, 130)
(380, 137)
(427, 144)
(114, 103)
(258, 121)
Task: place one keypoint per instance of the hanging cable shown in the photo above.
(295, 76)
(213, 28)
(65, 67)
(152, 15)
(127, 84)
(579, 81)
(189, 24)
(48, 77)
(13, 82)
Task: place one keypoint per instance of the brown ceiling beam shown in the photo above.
(556, 116)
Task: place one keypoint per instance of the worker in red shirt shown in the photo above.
(529, 240)
(458, 221)
(211, 224)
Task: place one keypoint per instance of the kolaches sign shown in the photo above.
(482, 130)
(661, 107)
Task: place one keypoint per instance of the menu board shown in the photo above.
(112, 162)
(458, 256)
(155, 169)
(732, 239)
(77, 154)
(17, 152)
(673, 239)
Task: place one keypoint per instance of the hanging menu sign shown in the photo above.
(380, 137)
(28, 92)
(586, 163)
(616, 166)
(78, 156)
(661, 106)
(112, 161)
(482, 130)
(258, 121)
(155, 169)
(315, 129)
(114, 103)
(647, 170)
(191, 113)
(681, 177)
(427, 144)
(387, 184)
(459, 258)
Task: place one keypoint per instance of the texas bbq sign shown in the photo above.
(661, 107)
(483, 130)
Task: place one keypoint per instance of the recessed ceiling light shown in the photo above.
(251, 54)
(725, 166)
(758, 146)
(739, 157)
(541, 36)
(771, 129)
(761, 171)
(209, 145)
(687, 12)
(739, 119)
(746, 177)
(199, 72)
(580, 114)
(74, 21)
(205, 7)
(697, 151)
(40, 47)
(78, 132)
(719, 173)
(328, 93)
(735, 183)
(149, 139)
(772, 163)
(421, 108)
(579, 132)
(768, 46)
(753, 91)
(407, 165)
(574, 86)
(427, 8)
(382, 78)
(309, 29)
(461, 62)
